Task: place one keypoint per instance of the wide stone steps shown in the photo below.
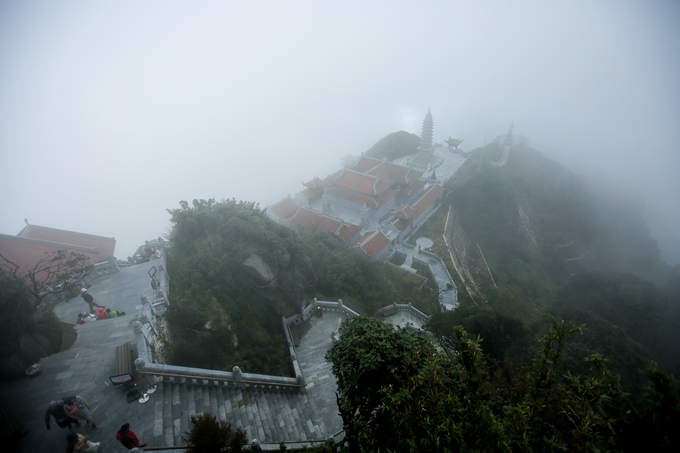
(267, 415)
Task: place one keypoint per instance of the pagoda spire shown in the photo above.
(426, 135)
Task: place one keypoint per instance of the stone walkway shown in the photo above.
(448, 299)
(85, 369)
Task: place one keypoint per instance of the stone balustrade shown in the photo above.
(109, 266)
(234, 378)
(426, 262)
(405, 307)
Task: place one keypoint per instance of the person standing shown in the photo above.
(61, 416)
(77, 406)
(128, 438)
(89, 299)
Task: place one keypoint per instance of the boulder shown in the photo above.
(256, 267)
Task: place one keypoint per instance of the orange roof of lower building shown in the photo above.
(372, 243)
(409, 190)
(309, 218)
(359, 182)
(315, 183)
(284, 208)
(314, 220)
(406, 215)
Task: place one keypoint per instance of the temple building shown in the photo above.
(32, 243)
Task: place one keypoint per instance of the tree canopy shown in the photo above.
(397, 392)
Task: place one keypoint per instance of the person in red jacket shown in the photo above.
(128, 438)
(101, 314)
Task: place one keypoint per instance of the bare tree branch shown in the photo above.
(50, 275)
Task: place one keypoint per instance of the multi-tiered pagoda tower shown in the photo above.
(426, 135)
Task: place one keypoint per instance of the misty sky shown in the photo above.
(113, 112)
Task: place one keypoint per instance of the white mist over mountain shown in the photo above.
(111, 113)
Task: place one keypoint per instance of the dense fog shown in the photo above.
(111, 113)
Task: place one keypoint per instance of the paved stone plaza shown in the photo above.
(85, 369)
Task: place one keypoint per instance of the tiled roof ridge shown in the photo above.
(50, 243)
(285, 199)
(314, 183)
(425, 194)
(357, 172)
(24, 232)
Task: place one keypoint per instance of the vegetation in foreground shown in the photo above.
(30, 329)
(399, 392)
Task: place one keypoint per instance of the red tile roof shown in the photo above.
(359, 182)
(284, 208)
(403, 212)
(408, 214)
(411, 189)
(33, 242)
(372, 243)
(429, 197)
(348, 231)
(309, 218)
(105, 245)
(388, 171)
(365, 164)
(315, 183)
(371, 202)
(309, 193)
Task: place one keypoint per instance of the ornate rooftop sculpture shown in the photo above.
(453, 143)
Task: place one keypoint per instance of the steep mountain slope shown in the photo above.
(537, 223)
(531, 237)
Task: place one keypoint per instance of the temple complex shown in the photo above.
(370, 204)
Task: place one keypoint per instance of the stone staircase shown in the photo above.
(266, 415)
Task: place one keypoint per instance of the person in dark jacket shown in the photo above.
(61, 416)
(127, 437)
(89, 299)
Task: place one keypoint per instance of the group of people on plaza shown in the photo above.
(100, 314)
(69, 411)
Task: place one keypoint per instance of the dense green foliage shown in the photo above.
(394, 146)
(363, 284)
(538, 223)
(541, 229)
(24, 316)
(209, 435)
(497, 332)
(222, 315)
(398, 393)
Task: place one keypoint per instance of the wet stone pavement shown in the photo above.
(85, 369)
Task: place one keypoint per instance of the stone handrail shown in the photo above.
(109, 266)
(235, 378)
(305, 314)
(434, 257)
(405, 307)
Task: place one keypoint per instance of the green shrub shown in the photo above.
(208, 435)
